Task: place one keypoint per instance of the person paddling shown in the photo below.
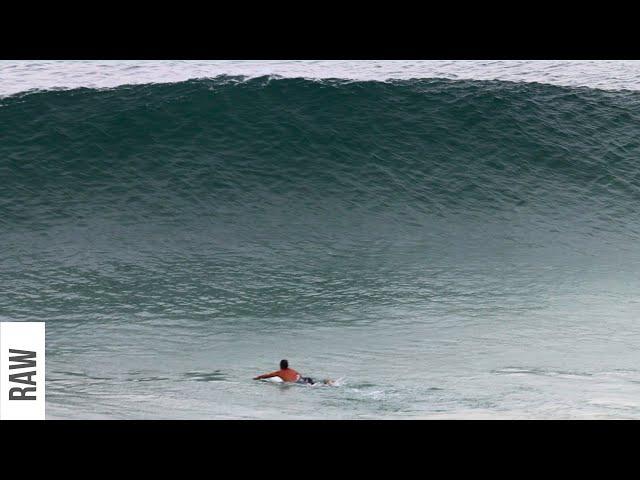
(287, 374)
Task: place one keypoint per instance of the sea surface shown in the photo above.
(447, 239)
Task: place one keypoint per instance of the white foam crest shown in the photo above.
(21, 76)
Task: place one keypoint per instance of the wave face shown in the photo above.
(297, 176)
(263, 204)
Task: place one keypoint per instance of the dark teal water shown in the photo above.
(445, 247)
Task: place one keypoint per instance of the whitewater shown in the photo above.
(21, 76)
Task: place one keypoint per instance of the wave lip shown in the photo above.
(23, 76)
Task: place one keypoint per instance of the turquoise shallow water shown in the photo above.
(447, 248)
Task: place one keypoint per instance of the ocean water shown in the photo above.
(448, 239)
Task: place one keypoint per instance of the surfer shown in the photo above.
(287, 374)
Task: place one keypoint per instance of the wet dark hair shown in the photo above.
(284, 364)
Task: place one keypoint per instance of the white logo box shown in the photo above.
(22, 369)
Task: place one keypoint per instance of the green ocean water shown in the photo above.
(444, 247)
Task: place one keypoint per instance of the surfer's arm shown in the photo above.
(266, 375)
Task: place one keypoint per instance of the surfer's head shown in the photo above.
(284, 364)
